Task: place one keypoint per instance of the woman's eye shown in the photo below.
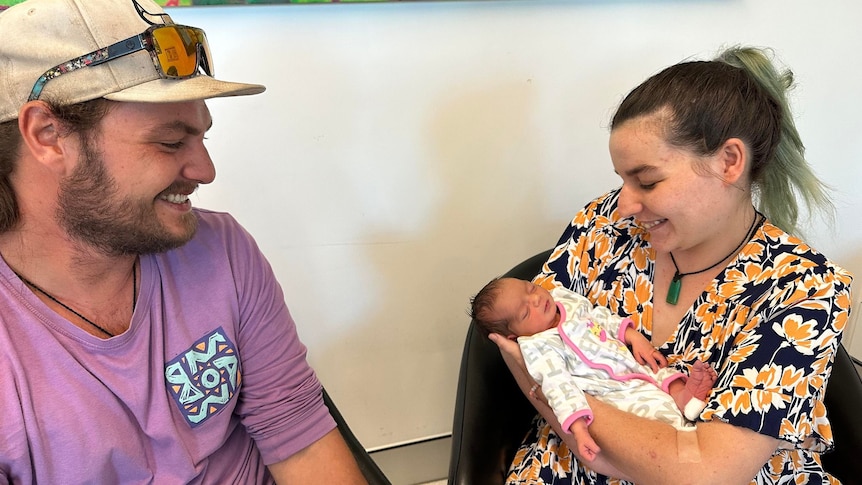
(647, 186)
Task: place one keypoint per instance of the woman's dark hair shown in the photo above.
(741, 95)
(76, 119)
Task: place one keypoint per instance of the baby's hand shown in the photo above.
(646, 354)
(587, 447)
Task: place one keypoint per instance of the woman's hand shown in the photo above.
(511, 352)
(514, 359)
(510, 349)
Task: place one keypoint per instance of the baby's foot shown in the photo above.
(701, 380)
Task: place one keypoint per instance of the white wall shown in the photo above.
(405, 153)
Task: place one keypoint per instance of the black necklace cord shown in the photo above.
(82, 317)
(676, 282)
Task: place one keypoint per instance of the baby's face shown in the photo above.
(527, 307)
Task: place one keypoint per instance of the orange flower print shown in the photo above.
(635, 300)
(711, 316)
(764, 385)
(737, 402)
(641, 258)
(801, 429)
(743, 352)
(576, 263)
(797, 333)
(546, 281)
(581, 218)
(794, 379)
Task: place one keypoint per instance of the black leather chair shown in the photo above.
(492, 416)
(372, 473)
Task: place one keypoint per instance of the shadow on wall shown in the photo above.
(487, 208)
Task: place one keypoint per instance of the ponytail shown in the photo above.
(786, 175)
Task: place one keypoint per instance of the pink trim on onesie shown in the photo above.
(584, 413)
(665, 385)
(624, 325)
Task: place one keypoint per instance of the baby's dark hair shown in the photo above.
(482, 306)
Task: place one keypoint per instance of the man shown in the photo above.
(143, 341)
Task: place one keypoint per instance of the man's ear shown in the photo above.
(733, 156)
(41, 134)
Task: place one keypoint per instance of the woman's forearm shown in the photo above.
(511, 356)
(653, 452)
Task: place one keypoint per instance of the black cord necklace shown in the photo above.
(82, 317)
(676, 282)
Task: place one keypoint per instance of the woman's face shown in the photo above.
(679, 197)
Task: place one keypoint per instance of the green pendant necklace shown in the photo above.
(676, 282)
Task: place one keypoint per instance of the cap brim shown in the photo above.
(180, 90)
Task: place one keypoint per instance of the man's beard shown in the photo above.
(91, 211)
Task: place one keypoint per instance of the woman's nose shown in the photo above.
(628, 203)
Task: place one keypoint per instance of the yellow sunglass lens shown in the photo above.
(176, 49)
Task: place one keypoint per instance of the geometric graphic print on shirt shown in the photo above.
(204, 378)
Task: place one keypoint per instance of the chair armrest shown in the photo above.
(372, 473)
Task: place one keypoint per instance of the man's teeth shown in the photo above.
(176, 198)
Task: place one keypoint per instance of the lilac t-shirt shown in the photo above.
(208, 385)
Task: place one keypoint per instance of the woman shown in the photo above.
(681, 249)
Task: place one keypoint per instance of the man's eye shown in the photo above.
(173, 146)
(647, 186)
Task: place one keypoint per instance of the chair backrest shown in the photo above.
(843, 405)
(492, 416)
(372, 473)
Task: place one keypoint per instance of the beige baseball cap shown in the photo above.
(38, 35)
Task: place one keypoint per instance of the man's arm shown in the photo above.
(327, 460)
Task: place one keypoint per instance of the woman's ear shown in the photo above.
(41, 134)
(733, 156)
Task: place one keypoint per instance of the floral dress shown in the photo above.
(769, 324)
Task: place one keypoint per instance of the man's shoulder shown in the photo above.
(217, 224)
(216, 232)
(214, 218)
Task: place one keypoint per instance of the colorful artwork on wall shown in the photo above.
(186, 3)
(4, 4)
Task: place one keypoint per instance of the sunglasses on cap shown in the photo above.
(178, 51)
